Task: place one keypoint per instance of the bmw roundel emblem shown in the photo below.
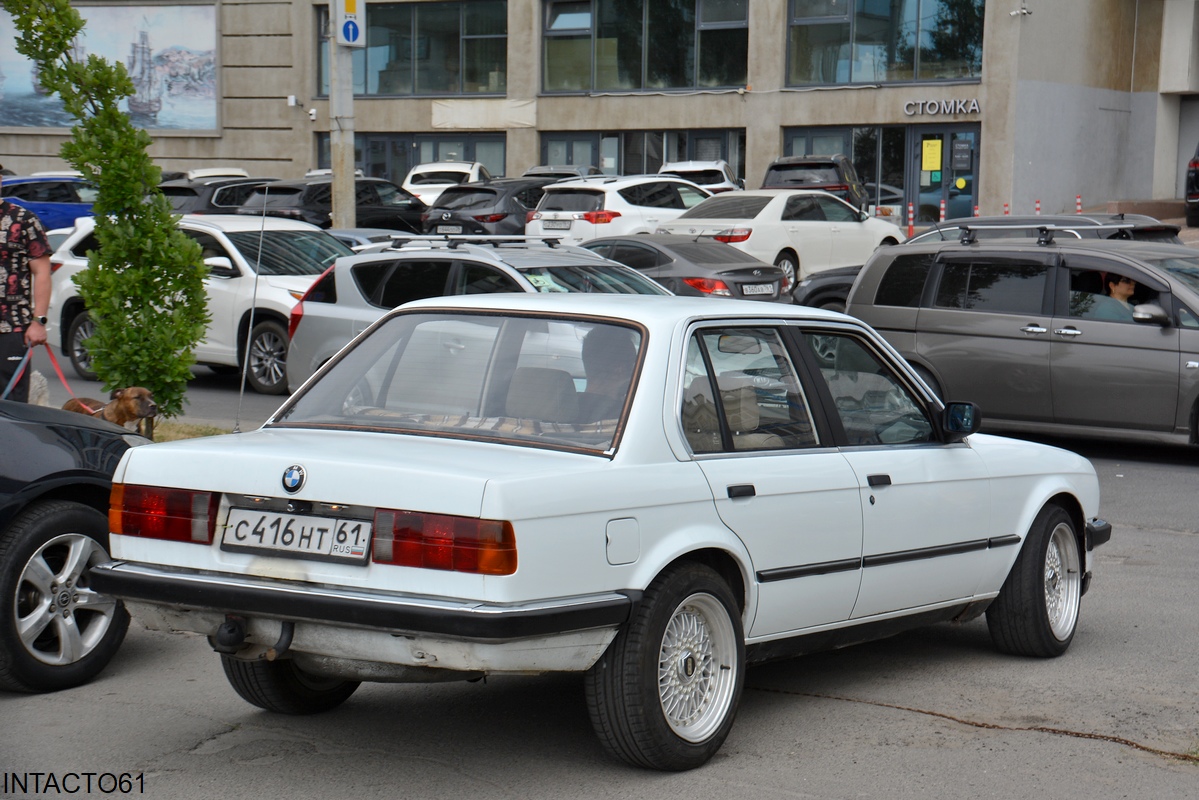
(293, 478)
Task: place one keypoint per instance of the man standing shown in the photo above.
(25, 280)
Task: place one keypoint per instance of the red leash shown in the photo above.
(63, 378)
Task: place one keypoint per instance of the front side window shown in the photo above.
(872, 403)
(558, 383)
(884, 41)
(428, 49)
(288, 252)
(644, 45)
(1107, 294)
(1003, 287)
(741, 392)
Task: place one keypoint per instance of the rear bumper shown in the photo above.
(356, 608)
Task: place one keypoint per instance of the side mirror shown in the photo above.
(1151, 313)
(221, 266)
(959, 420)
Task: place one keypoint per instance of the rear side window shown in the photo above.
(324, 290)
(413, 280)
(729, 206)
(465, 198)
(571, 200)
(802, 175)
(233, 196)
(903, 282)
(653, 195)
(1010, 287)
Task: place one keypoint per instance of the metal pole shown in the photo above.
(341, 130)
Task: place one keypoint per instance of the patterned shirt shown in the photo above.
(22, 239)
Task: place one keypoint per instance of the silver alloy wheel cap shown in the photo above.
(268, 358)
(59, 619)
(78, 344)
(697, 668)
(1063, 581)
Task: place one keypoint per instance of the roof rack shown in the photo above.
(1045, 230)
(454, 241)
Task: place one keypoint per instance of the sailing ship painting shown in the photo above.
(169, 53)
(146, 100)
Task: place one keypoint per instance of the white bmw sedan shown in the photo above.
(801, 230)
(651, 491)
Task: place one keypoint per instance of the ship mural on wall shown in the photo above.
(168, 51)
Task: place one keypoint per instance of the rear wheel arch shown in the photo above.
(723, 564)
(71, 309)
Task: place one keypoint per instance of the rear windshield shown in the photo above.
(274, 196)
(553, 383)
(703, 177)
(594, 278)
(728, 206)
(466, 198)
(422, 178)
(802, 175)
(571, 200)
(711, 252)
(180, 197)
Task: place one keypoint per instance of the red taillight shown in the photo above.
(600, 217)
(708, 285)
(293, 321)
(54, 266)
(733, 235)
(154, 512)
(440, 541)
(532, 215)
(490, 217)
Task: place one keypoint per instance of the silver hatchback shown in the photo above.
(1065, 336)
(357, 290)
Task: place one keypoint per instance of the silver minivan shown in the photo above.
(1099, 338)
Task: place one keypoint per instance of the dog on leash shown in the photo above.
(124, 406)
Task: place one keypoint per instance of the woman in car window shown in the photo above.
(1117, 304)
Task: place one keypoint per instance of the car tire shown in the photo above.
(78, 332)
(267, 353)
(1036, 612)
(788, 262)
(666, 691)
(70, 632)
(282, 687)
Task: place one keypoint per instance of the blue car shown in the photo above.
(56, 199)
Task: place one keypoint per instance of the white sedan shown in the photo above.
(721, 483)
(802, 231)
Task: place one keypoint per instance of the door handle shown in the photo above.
(1034, 329)
(878, 480)
(742, 490)
(1067, 331)
(1192, 365)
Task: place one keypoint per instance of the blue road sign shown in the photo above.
(349, 31)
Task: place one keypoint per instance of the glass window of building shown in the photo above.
(423, 49)
(884, 41)
(391, 155)
(640, 152)
(644, 45)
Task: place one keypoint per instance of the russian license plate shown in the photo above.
(556, 224)
(449, 229)
(758, 288)
(297, 536)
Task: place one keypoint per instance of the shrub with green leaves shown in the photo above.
(144, 286)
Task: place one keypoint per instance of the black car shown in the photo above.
(834, 174)
(55, 632)
(694, 267)
(212, 195)
(498, 207)
(380, 203)
(830, 288)
(1192, 191)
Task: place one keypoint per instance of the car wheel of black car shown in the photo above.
(55, 632)
(666, 691)
(268, 358)
(283, 687)
(1036, 612)
(78, 332)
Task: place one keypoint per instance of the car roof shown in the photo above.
(606, 182)
(1128, 248)
(8, 179)
(669, 165)
(670, 242)
(663, 312)
(224, 180)
(789, 160)
(226, 223)
(513, 253)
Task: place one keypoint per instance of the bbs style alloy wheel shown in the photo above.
(665, 693)
(55, 631)
(267, 372)
(1036, 612)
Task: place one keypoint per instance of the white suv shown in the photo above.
(293, 255)
(428, 181)
(715, 176)
(583, 209)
